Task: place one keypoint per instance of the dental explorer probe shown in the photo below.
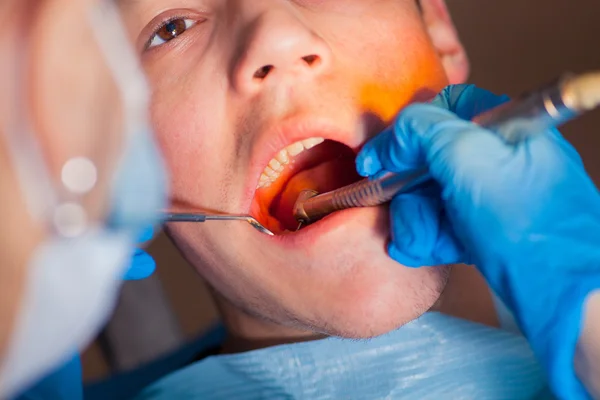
(549, 107)
(199, 216)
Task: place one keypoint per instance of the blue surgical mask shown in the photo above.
(140, 185)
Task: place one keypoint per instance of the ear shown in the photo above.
(445, 39)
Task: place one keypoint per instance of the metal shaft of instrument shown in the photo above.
(201, 217)
(534, 112)
(197, 216)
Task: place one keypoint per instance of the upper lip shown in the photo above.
(276, 138)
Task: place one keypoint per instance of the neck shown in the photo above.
(246, 332)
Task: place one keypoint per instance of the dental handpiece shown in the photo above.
(548, 107)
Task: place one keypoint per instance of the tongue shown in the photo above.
(322, 178)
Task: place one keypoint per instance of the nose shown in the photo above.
(278, 45)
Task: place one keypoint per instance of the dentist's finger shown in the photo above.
(421, 235)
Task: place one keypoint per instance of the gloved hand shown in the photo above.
(142, 264)
(527, 215)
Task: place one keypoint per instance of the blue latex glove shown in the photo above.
(528, 216)
(142, 264)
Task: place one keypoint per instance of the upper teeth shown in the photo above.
(278, 163)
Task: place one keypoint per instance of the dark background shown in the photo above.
(513, 45)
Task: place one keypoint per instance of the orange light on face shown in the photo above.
(385, 99)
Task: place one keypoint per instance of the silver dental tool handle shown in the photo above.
(513, 121)
(197, 216)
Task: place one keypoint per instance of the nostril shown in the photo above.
(312, 60)
(262, 72)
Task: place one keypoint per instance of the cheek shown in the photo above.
(400, 69)
(188, 130)
(417, 82)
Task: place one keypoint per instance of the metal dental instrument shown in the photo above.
(551, 106)
(198, 216)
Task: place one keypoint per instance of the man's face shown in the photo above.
(236, 82)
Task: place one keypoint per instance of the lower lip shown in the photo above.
(319, 230)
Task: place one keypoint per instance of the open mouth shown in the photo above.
(315, 164)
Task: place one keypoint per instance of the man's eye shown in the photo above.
(169, 31)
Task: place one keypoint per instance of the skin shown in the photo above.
(587, 354)
(64, 87)
(218, 126)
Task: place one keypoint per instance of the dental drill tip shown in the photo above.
(299, 212)
(299, 226)
(582, 92)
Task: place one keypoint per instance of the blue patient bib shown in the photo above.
(433, 357)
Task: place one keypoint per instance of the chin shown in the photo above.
(375, 305)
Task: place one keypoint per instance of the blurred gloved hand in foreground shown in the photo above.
(142, 264)
(527, 215)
